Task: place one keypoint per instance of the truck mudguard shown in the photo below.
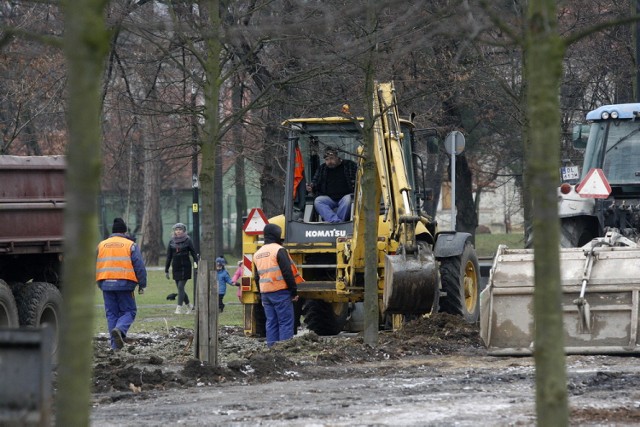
(450, 243)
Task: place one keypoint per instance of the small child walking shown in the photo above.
(223, 280)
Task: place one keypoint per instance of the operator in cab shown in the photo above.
(333, 186)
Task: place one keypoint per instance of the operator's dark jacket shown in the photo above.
(319, 180)
(178, 258)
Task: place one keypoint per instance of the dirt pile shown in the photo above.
(164, 361)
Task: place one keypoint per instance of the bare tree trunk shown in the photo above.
(241, 194)
(217, 201)
(211, 136)
(151, 243)
(467, 215)
(438, 164)
(370, 189)
(241, 203)
(273, 173)
(86, 42)
(544, 46)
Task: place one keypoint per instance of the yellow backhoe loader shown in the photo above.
(419, 270)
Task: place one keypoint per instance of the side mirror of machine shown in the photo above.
(429, 138)
(580, 135)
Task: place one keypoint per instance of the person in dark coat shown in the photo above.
(178, 251)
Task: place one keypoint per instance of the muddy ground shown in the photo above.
(434, 371)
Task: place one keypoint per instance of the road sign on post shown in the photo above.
(454, 144)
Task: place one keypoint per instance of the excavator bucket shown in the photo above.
(411, 283)
(600, 300)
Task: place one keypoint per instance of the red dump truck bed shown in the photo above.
(31, 204)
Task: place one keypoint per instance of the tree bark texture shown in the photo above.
(86, 42)
(466, 215)
(544, 53)
(212, 130)
(151, 243)
(241, 194)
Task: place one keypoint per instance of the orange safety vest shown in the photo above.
(266, 261)
(114, 260)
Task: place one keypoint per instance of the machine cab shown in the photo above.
(307, 141)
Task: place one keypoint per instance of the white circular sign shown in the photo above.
(454, 143)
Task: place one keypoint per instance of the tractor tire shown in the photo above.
(8, 307)
(40, 303)
(320, 317)
(574, 233)
(355, 320)
(460, 282)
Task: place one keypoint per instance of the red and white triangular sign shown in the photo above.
(255, 222)
(594, 185)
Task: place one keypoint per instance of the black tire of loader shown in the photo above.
(261, 321)
(574, 233)
(452, 272)
(40, 303)
(320, 318)
(8, 307)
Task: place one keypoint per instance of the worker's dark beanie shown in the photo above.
(272, 233)
(119, 226)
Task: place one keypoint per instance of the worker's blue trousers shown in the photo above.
(278, 309)
(333, 211)
(120, 308)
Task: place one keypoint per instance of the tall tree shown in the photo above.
(211, 140)
(543, 45)
(85, 46)
(370, 186)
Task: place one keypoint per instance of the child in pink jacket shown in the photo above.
(236, 276)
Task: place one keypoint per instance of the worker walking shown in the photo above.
(119, 269)
(277, 278)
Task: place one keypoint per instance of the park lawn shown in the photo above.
(156, 313)
(487, 244)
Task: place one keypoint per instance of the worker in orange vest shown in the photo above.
(277, 278)
(119, 269)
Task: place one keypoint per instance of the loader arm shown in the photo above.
(392, 187)
(407, 273)
(394, 182)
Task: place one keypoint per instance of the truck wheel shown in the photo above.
(40, 303)
(324, 318)
(8, 308)
(460, 281)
